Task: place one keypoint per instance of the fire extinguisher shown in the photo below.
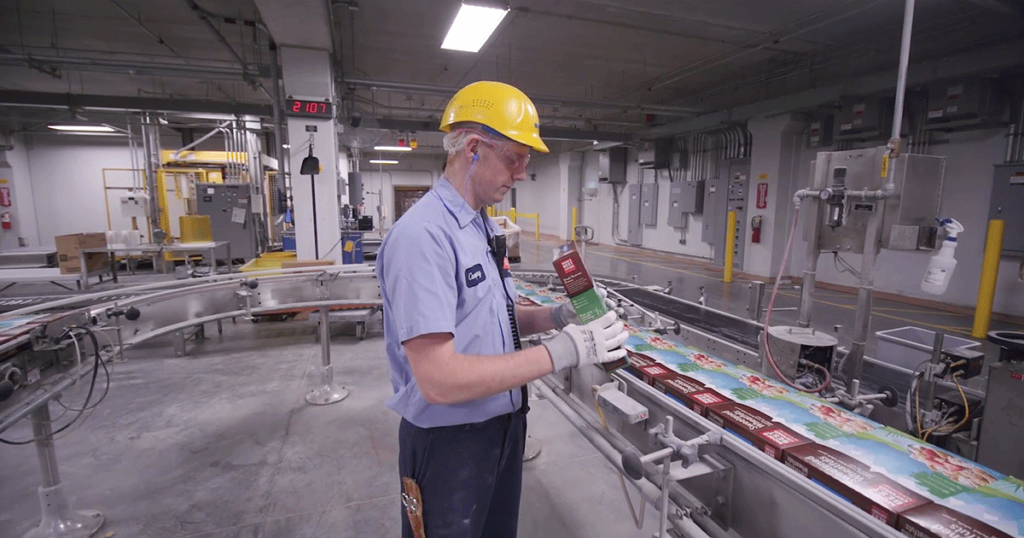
(5, 221)
(755, 229)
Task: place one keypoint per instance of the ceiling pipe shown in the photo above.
(441, 91)
(247, 75)
(749, 47)
(901, 80)
(106, 65)
(138, 21)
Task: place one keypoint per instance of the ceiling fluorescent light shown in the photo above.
(472, 27)
(392, 148)
(383, 161)
(82, 128)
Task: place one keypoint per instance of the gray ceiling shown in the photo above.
(697, 54)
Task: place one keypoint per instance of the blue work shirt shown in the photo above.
(437, 275)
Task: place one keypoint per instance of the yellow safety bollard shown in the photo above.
(574, 224)
(730, 245)
(989, 275)
(512, 214)
(536, 229)
(490, 211)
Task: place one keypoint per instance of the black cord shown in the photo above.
(92, 386)
(106, 373)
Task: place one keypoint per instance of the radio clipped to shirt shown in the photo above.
(579, 287)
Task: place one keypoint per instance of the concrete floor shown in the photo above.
(221, 444)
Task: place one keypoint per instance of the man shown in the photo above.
(452, 327)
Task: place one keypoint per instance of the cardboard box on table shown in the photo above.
(69, 250)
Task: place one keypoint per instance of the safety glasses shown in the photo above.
(513, 160)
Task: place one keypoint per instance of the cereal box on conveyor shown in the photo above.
(936, 521)
(999, 504)
(922, 467)
(852, 480)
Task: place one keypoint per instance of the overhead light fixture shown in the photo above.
(286, 146)
(383, 161)
(472, 27)
(82, 128)
(392, 148)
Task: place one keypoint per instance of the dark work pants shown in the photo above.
(470, 476)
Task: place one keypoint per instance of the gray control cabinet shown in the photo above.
(649, 204)
(714, 196)
(635, 234)
(1008, 204)
(1003, 427)
(684, 197)
(229, 206)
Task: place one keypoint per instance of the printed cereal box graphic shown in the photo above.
(777, 439)
(736, 384)
(999, 504)
(811, 417)
(704, 400)
(740, 420)
(851, 480)
(922, 467)
(937, 521)
(522, 300)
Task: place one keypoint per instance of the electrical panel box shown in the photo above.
(713, 196)
(909, 222)
(230, 208)
(963, 102)
(135, 205)
(1007, 204)
(655, 154)
(739, 187)
(649, 204)
(635, 233)
(820, 132)
(865, 117)
(611, 165)
(684, 197)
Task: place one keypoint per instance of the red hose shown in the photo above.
(768, 317)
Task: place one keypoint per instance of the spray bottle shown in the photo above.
(940, 267)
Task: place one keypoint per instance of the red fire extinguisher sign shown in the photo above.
(762, 195)
(5, 196)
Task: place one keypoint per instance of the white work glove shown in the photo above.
(564, 314)
(597, 342)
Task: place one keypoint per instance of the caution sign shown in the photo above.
(762, 195)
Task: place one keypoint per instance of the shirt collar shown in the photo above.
(454, 203)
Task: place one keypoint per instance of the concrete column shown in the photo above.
(570, 176)
(307, 74)
(773, 163)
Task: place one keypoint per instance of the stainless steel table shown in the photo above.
(155, 251)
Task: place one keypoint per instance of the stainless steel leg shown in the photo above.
(179, 344)
(326, 391)
(85, 272)
(58, 519)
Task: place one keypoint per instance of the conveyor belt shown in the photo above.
(10, 304)
(731, 328)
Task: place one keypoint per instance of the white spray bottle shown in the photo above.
(940, 267)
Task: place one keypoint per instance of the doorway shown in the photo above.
(405, 197)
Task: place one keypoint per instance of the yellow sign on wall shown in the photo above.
(762, 176)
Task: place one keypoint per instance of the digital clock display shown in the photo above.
(309, 109)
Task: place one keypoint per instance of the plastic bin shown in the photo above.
(908, 347)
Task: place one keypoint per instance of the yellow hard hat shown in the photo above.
(499, 106)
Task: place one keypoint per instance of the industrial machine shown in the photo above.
(234, 213)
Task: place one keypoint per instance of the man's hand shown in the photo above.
(564, 314)
(597, 342)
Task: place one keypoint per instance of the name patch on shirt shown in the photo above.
(475, 275)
